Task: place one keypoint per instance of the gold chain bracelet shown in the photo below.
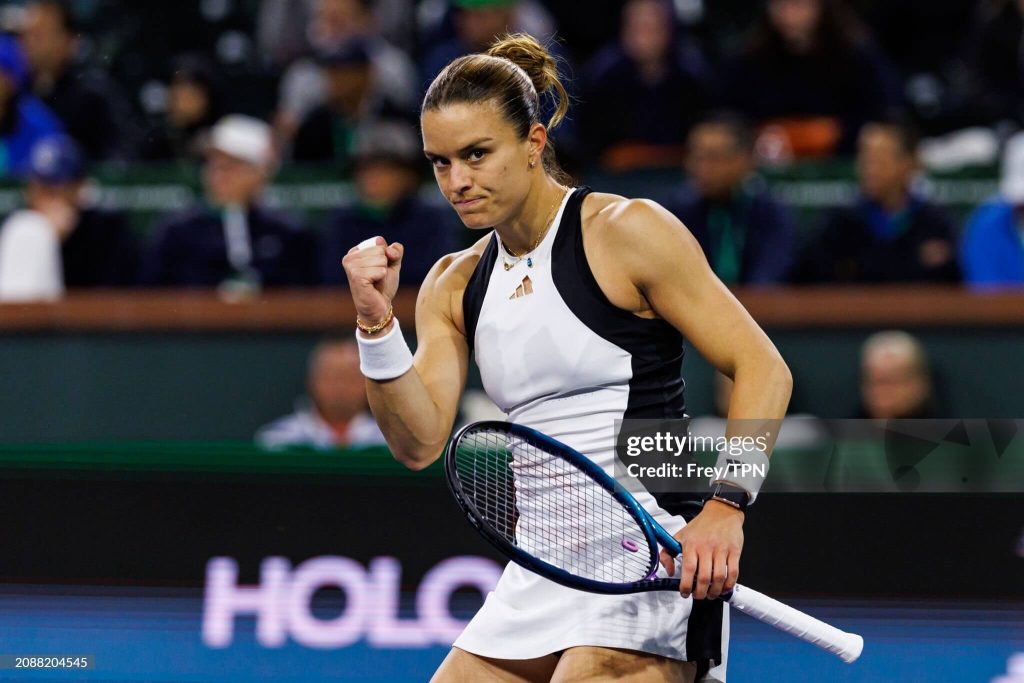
(370, 329)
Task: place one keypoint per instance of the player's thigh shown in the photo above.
(578, 664)
(460, 666)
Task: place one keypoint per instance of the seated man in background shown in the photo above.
(992, 250)
(62, 238)
(336, 412)
(890, 234)
(232, 241)
(388, 157)
(747, 236)
(896, 381)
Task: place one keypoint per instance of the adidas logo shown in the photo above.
(525, 288)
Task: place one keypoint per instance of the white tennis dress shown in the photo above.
(557, 356)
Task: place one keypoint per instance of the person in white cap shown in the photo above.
(992, 249)
(231, 241)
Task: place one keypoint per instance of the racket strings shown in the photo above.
(551, 509)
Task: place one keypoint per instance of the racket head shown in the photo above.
(493, 469)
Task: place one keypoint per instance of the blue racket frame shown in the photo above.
(653, 531)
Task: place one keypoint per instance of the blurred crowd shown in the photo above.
(719, 90)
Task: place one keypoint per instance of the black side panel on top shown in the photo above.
(473, 297)
(656, 388)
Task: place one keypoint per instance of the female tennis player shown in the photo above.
(574, 304)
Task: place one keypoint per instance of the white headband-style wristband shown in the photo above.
(387, 357)
(747, 470)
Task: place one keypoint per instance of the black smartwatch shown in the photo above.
(730, 495)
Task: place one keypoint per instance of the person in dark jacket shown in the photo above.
(329, 131)
(642, 93)
(194, 104)
(91, 106)
(810, 79)
(387, 179)
(24, 120)
(890, 234)
(747, 236)
(232, 241)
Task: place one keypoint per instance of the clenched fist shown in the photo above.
(373, 277)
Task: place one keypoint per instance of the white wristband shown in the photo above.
(386, 357)
(746, 470)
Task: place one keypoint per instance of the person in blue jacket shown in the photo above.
(24, 120)
(992, 247)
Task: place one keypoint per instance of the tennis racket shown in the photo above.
(553, 511)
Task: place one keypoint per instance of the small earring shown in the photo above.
(533, 162)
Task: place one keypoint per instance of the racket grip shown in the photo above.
(847, 646)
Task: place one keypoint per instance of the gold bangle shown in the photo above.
(370, 329)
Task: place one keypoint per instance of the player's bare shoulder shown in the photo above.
(446, 282)
(613, 222)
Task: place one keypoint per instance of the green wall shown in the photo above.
(61, 387)
(978, 372)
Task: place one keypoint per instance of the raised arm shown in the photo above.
(415, 410)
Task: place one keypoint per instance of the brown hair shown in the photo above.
(514, 72)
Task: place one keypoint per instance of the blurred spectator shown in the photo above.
(992, 250)
(336, 412)
(193, 106)
(477, 23)
(890, 234)
(92, 107)
(329, 131)
(98, 247)
(281, 30)
(642, 93)
(333, 24)
(896, 379)
(61, 239)
(810, 78)
(387, 179)
(232, 241)
(747, 236)
(24, 120)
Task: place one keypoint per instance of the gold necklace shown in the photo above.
(529, 261)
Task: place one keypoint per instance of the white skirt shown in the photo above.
(527, 616)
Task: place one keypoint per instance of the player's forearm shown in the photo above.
(413, 425)
(760, 398)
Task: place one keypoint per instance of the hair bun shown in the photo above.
(540, 66)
